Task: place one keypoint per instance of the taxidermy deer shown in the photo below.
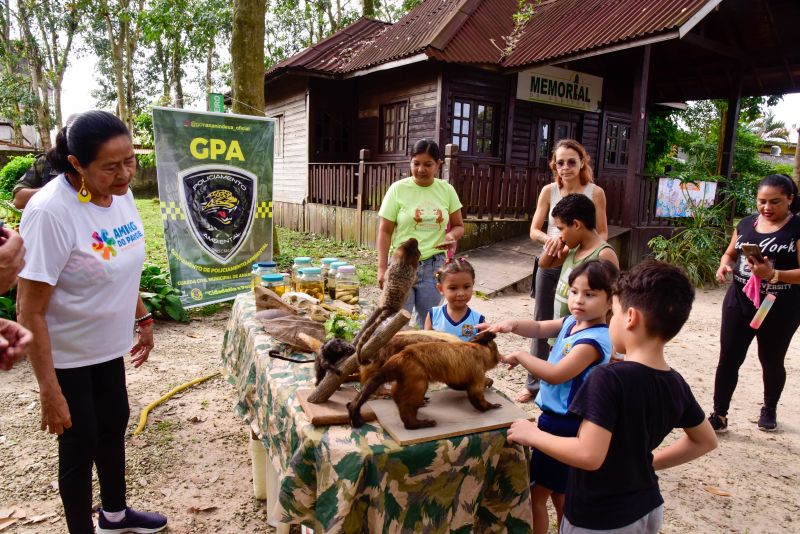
(462, 366)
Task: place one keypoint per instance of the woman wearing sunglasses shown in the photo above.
(573, 174)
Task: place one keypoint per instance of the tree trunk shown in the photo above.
(209, 70)
(247, 56)
(116, 43)
(166, 84)
(797, 159)
(369, 8)
(177, 74)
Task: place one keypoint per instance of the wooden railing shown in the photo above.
(333, 184)
(487, 191)
(498, 191)
(614, 187)
(648, 197)
(377, 179)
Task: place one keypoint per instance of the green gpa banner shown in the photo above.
(215, 187)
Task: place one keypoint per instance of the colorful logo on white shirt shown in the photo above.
(123, 236)
(104, 244)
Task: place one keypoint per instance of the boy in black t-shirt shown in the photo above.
(628, 408)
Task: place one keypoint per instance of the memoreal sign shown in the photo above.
(560, 87)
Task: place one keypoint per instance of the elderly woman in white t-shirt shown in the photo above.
(79, 295)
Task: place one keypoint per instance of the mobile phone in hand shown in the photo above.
(753, 252)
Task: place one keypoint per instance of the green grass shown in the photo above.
(292, 244)
(155, 249)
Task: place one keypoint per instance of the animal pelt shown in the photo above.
(397, 343)
(329, 355)
(462, 366)
(400, 278)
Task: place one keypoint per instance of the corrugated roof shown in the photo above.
(480, 39)
(333, 53)
(411, 34)
(473, 31)
(567, 27)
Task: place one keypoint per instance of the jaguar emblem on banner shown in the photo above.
(219, 202)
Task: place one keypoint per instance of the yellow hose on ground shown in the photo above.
(173, 391)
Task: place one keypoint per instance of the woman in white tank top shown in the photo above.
(571, 166)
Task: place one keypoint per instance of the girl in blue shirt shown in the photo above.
(455, 282)
(582, 343)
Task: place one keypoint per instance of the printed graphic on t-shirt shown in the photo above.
(468, 330)
(104, 244)
(428, 216)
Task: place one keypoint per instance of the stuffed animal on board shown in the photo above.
(462, 366)
(400, 278)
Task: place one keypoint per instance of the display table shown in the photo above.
(340, 479)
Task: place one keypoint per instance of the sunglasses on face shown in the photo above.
(572, 162)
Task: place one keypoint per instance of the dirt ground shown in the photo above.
(192, 460)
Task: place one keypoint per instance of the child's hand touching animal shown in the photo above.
(511, 359)
(503, 327)
(523, 432)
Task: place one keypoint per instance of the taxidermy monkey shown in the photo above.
(461, 366)
(400, 278)
(397, 343)
(328, 357)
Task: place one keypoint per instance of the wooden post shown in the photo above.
(379, 338)
(633, 180)
(729, 136)
(363, 157)
(450, 167)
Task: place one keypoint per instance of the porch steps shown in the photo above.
(508, 264)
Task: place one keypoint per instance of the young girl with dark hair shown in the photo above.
(455, 282)
(775, 230)
(79, 295)
(582, 343)
(420, 206)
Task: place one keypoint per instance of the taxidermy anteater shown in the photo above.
(400, 278)
(461, 366)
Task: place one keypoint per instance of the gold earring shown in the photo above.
(83, 194)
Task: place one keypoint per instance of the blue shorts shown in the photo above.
(546, 471)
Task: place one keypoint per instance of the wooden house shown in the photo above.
(350, 107)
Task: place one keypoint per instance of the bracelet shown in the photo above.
(775, 274)
(145, 322)
(144, 317)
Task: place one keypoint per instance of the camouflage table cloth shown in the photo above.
(339, 479)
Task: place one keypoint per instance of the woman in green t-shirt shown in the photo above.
(420, 206)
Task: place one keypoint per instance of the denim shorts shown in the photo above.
(424, 295)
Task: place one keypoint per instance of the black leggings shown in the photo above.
(98, 404)
(773, 338)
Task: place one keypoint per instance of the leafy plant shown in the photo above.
(8, 305)
(14, 170)
(698, 246)
(158, 295)
(341, 326)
